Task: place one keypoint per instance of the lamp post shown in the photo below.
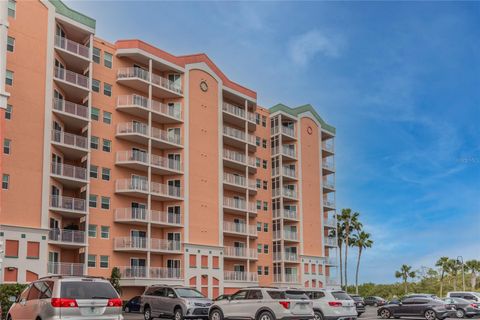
(460, 260)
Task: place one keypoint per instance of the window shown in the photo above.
(265, 205)
(107, 59)
(12, 8)
(106, 174)
(259, 183)
(6, 146)
(96, 55)
(259, 226)
(265, 248)
(105, 203)
(105, 232)
(265, 227)
(259, 204)
(8, 112)
(264, 143)
(92, 230)
(264, 121)
(254, 295)
(92, 261)
(265, 184)
(95, 114)
(107, 145)
(266, 271)
(103, 261)
(259, 270)
(258, 162)
(258, 141)
(9, 78)
(107, 117)
(259, 248)
(96, 85)
(10, 44)
(93, 171)
(92, 201)
(264, 164)
(94, 142)
(5, 181)
(107, 89)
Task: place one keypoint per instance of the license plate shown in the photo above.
(90, 311)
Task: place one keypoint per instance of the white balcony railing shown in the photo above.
(132, 128)
(132, 72)
(285, 213)
(332, 242)
(240, 276)
(252, 139)
(285, 192)
(132, 156)
(150, 273)
(252, 162)
(234, 133)
(289, 172)
(290, 235)
(164, 245)
(166, 83)
(329, 203)
(68, 203)
(234, 110)
(234, 156)
(328, 145)
(126, 185)
(290, 256)
(126, 243)
(171, 110)
(166, 136)
(288, 131)
(131, 214)
(328, 165)
(72, 46)
(67, 236)
(165, 190)
(234, 179)
(163, 217)
(240, 252)
(69, 171)
(330, 222)
(132, 100)
(166, 163)
(70, 108)
(68, 139)
(239, 204)
(328, 184)
(251, 117)
(72, 77)
(66, 269)
(235, 227)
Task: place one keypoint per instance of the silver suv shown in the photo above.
(58, 297)
(261, 303)
(331, 304)
(160, 301)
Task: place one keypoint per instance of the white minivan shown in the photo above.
(467, 295)
(331, 304)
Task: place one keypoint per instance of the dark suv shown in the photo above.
(428, 308)
(359, 303)
(374, 301)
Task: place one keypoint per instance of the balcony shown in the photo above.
(239, 229)
(165, 166)
(285, 192)
(252, 187)
(234, 114)
(287, 152)
(150, 273)
(330, 223)
(164, 192)
(132, 159)
(288, 235)
(132, 187)
(240, 276)
(287, 278)
(329, 185)
(166, 113)
(163, 139)
(288, 133)
(134, 104)
(165, 219)
(71, 145)
(330, 242)
(234, 205)
(67, 238)
(252, 165)
(234, 137)
(328, 147)
(130, 244)
(66, 268)
(72, 53)
(165, 246)
(134, 77)
(285, 256)
(165, 88)
(240, 253)
(285, 214)
(75, 85)
(330, 204)
(139, 216)
(251, 120)
(328, 166)
(289, 173)
(68, 207)
(252, 142)
(73, 115)
(234, 159)
(135, 132)
(69, 176)
(234, 182)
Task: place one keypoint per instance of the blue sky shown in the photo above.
(399, 81)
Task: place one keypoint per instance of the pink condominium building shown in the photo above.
(123, 155)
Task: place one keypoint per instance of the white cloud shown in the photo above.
(306, 46)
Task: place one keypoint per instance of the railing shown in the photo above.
(132, 100)
(234, 133)
(240, 252)
(329, 203)
(121, 243)
(284, 192)
(132, 127)
(173, 111)
(288, 131)
(290, 235)
(165, 217)
(331, 241)
(164, 245)
(131, 214)
(72, 46)
(328, 145)
(233, 155)
(166, 163)
(235, 227)
(288, 278)
(131, 185)
(328, 165)
(67, 203)
(70, 108)
(330, 222)
(68, 171)
(165, 136)
(328, 184)
(289, 172)
(166, 83)
(288, 214)
(252, 207)
(69, 139)
(232, 109)
(132, 72)
(274, 130)
(240, 276)
(252, 162)
(239, 204)
(132, 155)
(165, 190)
(251, 117)
(234, 179)
(252, 184)
(72, 77)
(152, 273)
(67, 236)
(65, 268)
(290, 256)
(251, 139)
(286, 151)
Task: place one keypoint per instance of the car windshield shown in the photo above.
(87, 290)
(189, 293)
(341, 295)
(292, 294)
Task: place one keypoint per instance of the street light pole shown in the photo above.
(463, 271)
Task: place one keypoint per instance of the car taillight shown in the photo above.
(285, 304)
(64, 303)
(474, 305)
(334, 304)
(115, 302)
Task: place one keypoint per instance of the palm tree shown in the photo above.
(474, 267)
(340, 234)
(349, 221)
(361, 240)
(442, 263)
(453, 267)
(405, 273)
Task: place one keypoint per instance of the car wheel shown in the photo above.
(216, 314)
(178, 314)
(385, 314)
(265, 315)
(147, 313)
(318, 315)
(430, 315)
(460, 313)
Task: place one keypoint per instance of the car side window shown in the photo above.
(317, 295)
(240, 295)
(408, 301)
(254, 295)
(421, 301)
(159, 292)
(170, 293)
(35, 291)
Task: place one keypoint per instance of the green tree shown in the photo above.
(362, 241)
(473, 266)
(454, 267)
(442, 263)
(349, 221)
(115, 279)
(405, 272)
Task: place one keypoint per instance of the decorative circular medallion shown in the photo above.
(309, 130)
(204, 86)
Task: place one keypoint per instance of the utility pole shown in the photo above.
(460, 260)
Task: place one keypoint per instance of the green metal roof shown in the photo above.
(301, 109)
(62, 9)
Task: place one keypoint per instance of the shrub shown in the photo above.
(8, 290)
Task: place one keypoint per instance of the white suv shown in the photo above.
(467, 295)
(261, 303)
(329, 304)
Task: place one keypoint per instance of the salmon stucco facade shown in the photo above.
(124, 155)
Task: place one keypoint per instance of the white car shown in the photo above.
(330, 304)
(261, 303)
(467, 295)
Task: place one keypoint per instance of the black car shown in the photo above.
(132, 305)
(463, 308)
(359, 303)
(428, 308)
(374, 301)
